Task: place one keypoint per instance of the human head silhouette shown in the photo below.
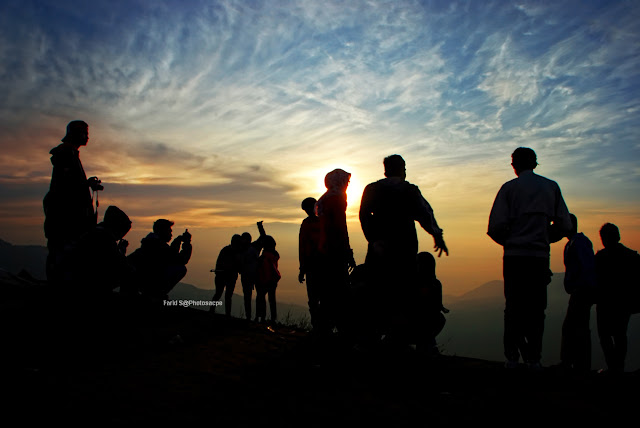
(426, 265)
(574, 225)
(394, 166)
(162, 228)
(269, 243)
(522, 159)
(338, 179)
(246, 237)
(77, 133)
(308, 206)
(116, 221)
(237, 241)
(609, 234)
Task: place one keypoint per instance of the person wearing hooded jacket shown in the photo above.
(335, 253)
(96, 265)
(68, 205)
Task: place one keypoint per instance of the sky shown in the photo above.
(217, 114)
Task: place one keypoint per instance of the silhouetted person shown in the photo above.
(580, 283)
(428, 316)
(616, 275)
(68, 206)
(267, 281)
(160, 266)
(335, 251)
(97, 263)
(527, 215)
(309, 240)
(226, 271)
(388, 212)
(249, 266)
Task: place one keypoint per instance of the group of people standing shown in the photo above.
(256, 262)
(528, 215)
(341, 294)
(395, 294)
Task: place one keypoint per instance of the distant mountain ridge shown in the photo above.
(474, 325)
(31, 258)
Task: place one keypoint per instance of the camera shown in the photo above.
(94, 183)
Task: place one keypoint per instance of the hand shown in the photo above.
(186, 236)
(94, 183)
(301, 277)
(440, 246)
(122, 246)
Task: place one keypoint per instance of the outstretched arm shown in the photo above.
(261, 229)
(427, 220)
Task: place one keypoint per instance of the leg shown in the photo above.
(220, 284)
(228, 296)
(513, 338)
(272, 304)
(603, 315)
(576, 336)
(526, 280)
(619, 333)
(247, 291)
(261, 304)
(314, 298)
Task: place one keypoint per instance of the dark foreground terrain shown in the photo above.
(129, 364)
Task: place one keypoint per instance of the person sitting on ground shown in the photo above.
(161, 266)
(428, 317)
(97, 264)
(268, 277)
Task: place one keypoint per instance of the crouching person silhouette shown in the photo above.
(429, 318)
(97, 264)
(94, 267)
(160, 266)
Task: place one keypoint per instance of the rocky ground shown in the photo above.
(139, 365)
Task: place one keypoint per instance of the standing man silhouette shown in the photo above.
(68, 206)
(580, 284)
(388, 212)
(616, 291)
(528, 215)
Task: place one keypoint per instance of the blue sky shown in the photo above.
(220, 113)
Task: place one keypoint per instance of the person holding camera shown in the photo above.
(68, 206)
(160, 266)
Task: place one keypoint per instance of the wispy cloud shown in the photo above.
(196, 95)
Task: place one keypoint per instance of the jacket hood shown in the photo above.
(62, 151)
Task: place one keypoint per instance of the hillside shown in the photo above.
(475, 324)
(138, 365)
